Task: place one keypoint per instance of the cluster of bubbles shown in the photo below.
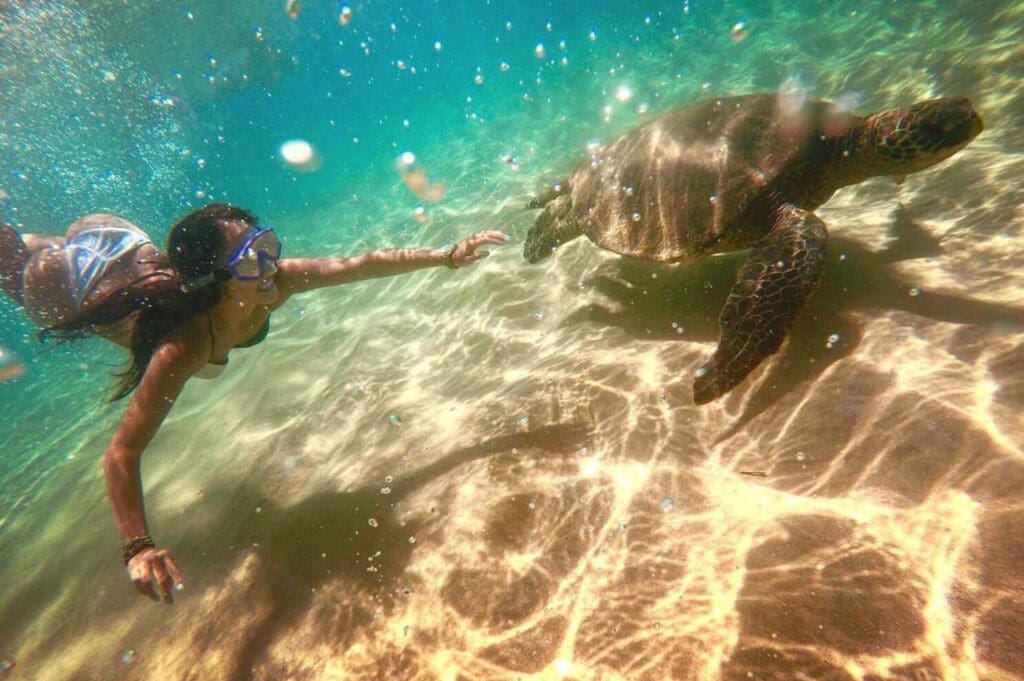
(86, 121)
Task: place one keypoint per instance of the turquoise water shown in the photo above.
(556, 505)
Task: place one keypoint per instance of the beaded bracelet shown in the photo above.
(133, 546)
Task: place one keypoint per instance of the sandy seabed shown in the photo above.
(499, 473)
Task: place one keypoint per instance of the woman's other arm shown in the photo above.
(168, 370)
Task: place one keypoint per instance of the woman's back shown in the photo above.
(102, 255)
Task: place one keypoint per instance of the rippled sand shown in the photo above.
(551, 505)
(499, 473)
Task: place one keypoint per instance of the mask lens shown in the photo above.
(248, 265)
(267, 244)
(253, 257)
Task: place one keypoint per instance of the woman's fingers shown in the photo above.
(140, 585)
(466, 253)
(172, 567)
(474, 241)
(143, 580)
(489, 237)
(163, 580)
(156, 575)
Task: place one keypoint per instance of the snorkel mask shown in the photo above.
(255, 258)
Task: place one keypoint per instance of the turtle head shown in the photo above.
(912, 139)
(553, 227)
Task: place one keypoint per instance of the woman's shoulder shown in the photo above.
(188, 347)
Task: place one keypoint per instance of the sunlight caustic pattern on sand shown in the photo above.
(499, 473)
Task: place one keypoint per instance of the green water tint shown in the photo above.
(852, 513)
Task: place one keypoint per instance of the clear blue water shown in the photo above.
(150, 109)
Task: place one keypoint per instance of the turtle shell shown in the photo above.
(698, 180)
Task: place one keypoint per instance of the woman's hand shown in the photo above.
(153, 570)
(464, 253)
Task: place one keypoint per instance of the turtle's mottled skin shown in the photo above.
(742, 172)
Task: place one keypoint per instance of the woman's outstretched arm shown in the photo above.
(150, 568)
(296, 275)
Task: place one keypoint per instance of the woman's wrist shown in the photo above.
(132, 546)
(448, 256)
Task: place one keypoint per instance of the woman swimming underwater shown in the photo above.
(179, 314)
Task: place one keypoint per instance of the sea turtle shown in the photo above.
(736, 173)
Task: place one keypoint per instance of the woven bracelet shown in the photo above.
(131, 547)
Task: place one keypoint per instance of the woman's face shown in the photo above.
(247, 293)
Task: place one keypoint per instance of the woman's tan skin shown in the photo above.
(238, 316)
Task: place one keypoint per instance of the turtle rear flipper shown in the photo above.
(780, 274)
(553, 227)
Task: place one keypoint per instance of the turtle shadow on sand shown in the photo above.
(683, 302)
(328, 537)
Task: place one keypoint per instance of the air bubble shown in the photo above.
(739, 31)
(10, 366)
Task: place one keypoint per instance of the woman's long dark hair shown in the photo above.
(163, 300)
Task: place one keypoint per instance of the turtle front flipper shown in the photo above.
(549, 194)
(780, 274)
(553, 227)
